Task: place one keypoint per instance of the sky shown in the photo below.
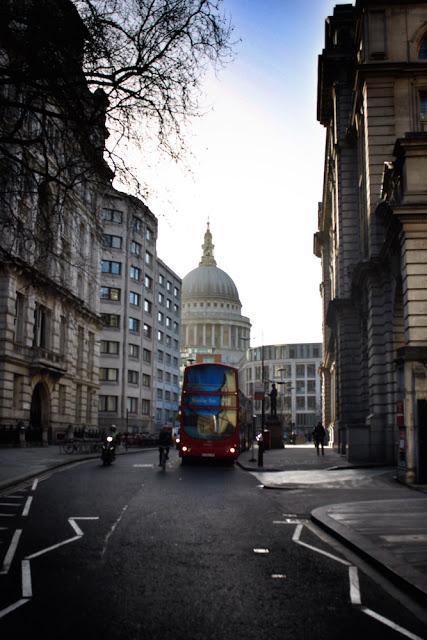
(255, 171)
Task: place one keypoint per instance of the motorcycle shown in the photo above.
(108, 451)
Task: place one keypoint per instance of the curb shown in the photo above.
(5, 484)
(405, 577)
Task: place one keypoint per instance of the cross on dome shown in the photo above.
(208, 259)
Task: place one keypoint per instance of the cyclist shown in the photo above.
(165, 441)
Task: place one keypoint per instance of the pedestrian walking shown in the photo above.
(319, 435)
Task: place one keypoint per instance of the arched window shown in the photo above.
(422, 53)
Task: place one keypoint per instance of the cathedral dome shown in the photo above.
(207, 281)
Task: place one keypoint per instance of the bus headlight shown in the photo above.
(184, 448)
(232, 450)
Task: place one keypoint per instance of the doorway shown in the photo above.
(39, 414)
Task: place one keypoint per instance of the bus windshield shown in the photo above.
(209, 406)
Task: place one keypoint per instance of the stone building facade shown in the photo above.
(372, 234)
(213, 328)
(52, 181)
(140, 310)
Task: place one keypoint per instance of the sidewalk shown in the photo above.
(18, 465)
(390, 534)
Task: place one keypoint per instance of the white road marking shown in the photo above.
(9, 504)
(13, 606)
(144, 465)
(35, 483)
(13, 497)
(67, 541)
(11, 552)
(27, 588)
(27, 506)
(111, 531)
(390, 623)
(296, 539)
(354, 586)
(8, 515)
(278, 576)
(412, 537)
(288, 521)
(262, 551)
(355, 595)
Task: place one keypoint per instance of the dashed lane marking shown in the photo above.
(27, 506)
(8, 559)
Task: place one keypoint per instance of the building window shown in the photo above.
(136, 224)
(423, 110)
(147, 331)
(161, 280)
(148, 282)
(167, 396)
(159, 394)
(111, 242)
(176, 292)
(132, 405)
(135, 248)
(168, 286)
(111, 320)
(147, 306)
(160, 336)
(110, 293)
(168, 303)
(112, 215)
(18, 387)
(159, 375)
(109, 266)
(148, 234)
(108, 375)
(133, 376)
(109, 347)
(134, 324)
(300, 402)
(62, 396)
(160, 316)
(146, 355)
(161, 298)
(134, 273)
(148, 259)
(311, 403)
(20, 307)
(300, 386)
(146, 380)
(300, 370)
(168, 322)
(42, 322)
(133, 351)
(311, 386)
(134, 298)
(145, 409)
(422, 53)
(311, 371)
(108, 404)
(160, 355)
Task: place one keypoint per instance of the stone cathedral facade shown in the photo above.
(372, 232)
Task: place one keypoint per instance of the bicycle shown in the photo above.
(163, 457)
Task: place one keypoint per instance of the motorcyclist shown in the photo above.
(165, 441)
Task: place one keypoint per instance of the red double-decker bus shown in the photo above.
(209, 412)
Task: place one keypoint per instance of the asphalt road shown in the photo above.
(198, 552)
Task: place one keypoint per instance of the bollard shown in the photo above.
(260, 441)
